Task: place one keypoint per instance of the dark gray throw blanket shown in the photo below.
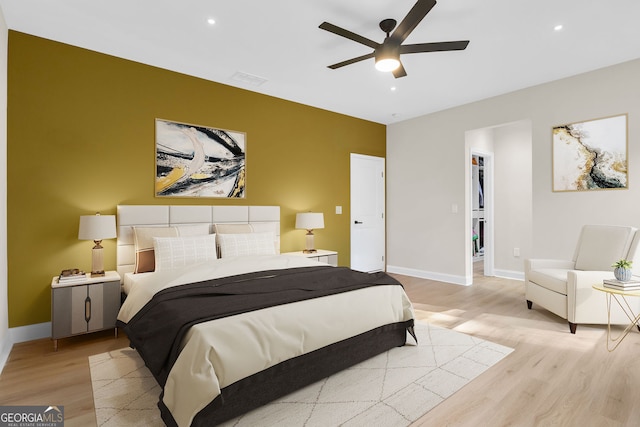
(156, 331)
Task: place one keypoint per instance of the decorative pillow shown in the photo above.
(244, 244)
(143, 242)
(176, 252)
(230, 229)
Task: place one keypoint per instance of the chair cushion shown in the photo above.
(602, 245)
(554, 279)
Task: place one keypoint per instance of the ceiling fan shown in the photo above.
(387, 54)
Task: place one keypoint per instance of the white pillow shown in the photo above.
(246, 244)
(176, 252)
(143, 240)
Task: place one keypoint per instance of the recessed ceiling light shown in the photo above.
(557, 27)
(393, 88)
(211, 21)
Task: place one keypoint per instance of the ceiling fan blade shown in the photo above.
(349, 35)
(351, 61)
(434, 47)
(411, 21)
(399, 72)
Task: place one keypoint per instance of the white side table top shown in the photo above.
(318, 252)
(109, 276)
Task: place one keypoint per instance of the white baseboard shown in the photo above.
(30, 332)
(447, 278)
(509, 274)
(22, 334)
(5, 349)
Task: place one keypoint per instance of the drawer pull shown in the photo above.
(87, 309)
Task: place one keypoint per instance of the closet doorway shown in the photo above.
(481, 213)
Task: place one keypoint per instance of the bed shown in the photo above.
(227, 324)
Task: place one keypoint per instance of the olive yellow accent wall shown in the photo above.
(81, 139)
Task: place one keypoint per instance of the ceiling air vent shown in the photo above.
(248, 79)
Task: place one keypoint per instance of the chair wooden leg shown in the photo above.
(572, 327)
(529, 304)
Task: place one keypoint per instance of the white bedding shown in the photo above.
(218, 353)
(143, 286)
(130, 280)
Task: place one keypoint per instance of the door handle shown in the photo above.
(358, 222)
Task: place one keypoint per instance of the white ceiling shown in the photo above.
(513, 45)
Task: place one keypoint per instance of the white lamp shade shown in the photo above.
(97, 227)
(310, 220)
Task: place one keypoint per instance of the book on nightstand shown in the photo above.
(629, 285)
(72, 275)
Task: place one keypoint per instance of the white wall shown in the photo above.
(426, 163)
(5, 339)
(513, 196)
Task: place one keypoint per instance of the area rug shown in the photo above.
(392, 389)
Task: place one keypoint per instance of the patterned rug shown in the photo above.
(392, 389)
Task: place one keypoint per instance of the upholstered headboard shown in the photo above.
(129, 216)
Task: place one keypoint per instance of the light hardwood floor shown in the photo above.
(35, 374)
(553, 378)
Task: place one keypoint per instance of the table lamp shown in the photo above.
(97, 227)
(309, 221)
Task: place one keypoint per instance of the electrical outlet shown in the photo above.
(516, 252)
(338, 210)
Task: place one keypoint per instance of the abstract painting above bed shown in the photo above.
(199, 161)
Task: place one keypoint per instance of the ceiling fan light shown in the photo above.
(387, 57)
(387, 64)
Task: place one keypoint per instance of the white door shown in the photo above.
(367, 213)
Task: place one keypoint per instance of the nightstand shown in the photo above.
(329, 257)
(89, 305)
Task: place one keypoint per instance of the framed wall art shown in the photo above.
(591, 155)
(199, 161)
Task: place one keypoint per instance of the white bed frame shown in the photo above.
(262, 218)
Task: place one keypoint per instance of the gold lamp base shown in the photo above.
(97, 260)
(309, 249)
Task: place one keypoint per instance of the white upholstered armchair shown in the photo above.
(564, 287)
